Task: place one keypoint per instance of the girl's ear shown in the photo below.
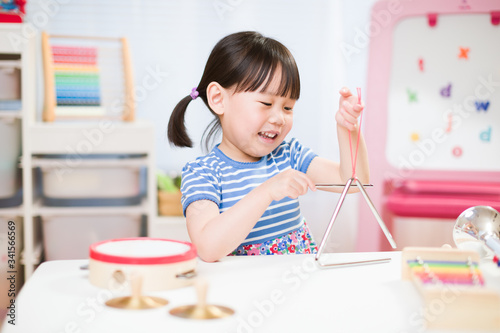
(215, 97)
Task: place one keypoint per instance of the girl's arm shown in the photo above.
(216, 234)
(322, 170)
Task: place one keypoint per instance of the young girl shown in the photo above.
(242, 198)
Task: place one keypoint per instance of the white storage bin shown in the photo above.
(69, 237)
(10, 150)
(90, 182)
(9, 81)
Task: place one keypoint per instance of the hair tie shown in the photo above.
(194, 93)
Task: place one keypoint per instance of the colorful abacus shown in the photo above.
(87, 77)
(453, 288)
(76, 76)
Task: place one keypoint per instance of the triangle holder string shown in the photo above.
(350, 182)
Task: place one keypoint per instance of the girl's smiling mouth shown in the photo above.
(268, 136)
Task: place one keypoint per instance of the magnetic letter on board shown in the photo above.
(486, 135)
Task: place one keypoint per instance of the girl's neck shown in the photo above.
(236, 154)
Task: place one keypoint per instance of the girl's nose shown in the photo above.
(277, 117)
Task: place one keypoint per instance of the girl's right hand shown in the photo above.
(290, 183)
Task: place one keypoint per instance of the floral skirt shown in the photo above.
(298, 241)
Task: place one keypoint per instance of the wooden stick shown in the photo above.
(49, 81)
(129, 105)
(87, 37)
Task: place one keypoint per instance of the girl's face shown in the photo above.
(255, 123)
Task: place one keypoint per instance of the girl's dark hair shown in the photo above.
(246, 60)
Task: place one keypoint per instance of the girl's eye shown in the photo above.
(266, 104)
(288, 108)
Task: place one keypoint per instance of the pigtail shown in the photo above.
(177, 134)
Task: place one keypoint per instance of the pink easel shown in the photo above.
(442, 192)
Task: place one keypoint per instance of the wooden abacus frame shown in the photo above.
(454, 306)
(50, 104)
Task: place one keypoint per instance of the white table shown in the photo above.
(269, 294)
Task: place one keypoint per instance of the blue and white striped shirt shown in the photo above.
(224, 181)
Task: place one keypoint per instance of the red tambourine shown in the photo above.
(163, 263)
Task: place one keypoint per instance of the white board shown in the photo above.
(444, 94)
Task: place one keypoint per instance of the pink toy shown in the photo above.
(12, 11)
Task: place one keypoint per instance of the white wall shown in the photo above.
(173, 40)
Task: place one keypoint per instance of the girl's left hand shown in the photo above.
(349, 109)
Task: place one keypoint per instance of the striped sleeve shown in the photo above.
(300, 156)
(199, 182)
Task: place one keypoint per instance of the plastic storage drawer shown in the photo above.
(69, 237)
(64, 185)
